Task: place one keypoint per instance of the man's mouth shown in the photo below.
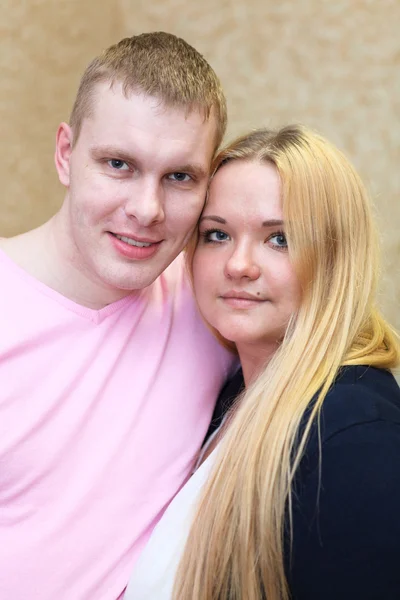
(133, 242)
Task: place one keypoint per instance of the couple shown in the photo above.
(110, 376)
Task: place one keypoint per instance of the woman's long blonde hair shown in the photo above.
(235, 549)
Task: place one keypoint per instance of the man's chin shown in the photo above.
(140, 275)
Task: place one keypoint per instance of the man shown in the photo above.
(100, 342)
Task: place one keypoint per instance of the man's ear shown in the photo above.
(63, 151)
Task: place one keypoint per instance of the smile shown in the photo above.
(132, 249)
(133, 242)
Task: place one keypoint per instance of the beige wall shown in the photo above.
(333, 65)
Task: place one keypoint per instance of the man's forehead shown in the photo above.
(129, 131)
(106, 92)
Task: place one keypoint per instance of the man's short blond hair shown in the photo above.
(155, 64)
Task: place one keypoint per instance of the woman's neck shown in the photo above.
(254, 358)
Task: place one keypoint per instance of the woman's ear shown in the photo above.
(63, 151)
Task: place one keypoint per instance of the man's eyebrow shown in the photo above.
(213, 218)
(109, 151)
(194, 168)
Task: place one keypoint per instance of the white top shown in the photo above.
(154, 574)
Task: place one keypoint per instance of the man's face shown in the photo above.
(136, 181)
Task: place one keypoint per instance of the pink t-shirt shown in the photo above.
(101, 415)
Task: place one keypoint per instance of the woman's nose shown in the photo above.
(241, 264)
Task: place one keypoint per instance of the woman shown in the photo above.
(297, 495)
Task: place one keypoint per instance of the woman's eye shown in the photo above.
(279, 240)
(118, 164)
(215, 236)
(179, 177)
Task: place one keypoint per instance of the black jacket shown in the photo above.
(346, 510)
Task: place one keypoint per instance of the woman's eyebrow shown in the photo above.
(213, 218)
(273, 223)
(268, 223)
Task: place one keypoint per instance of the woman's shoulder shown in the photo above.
(359, 395)
(346, 493)
(361, 409)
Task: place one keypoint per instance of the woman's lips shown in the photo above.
(241, 299)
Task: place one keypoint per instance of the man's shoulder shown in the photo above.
(11, 254)
(9, 247)
(22, 251)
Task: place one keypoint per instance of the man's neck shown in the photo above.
(43, 253)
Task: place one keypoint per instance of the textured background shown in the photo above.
(332, 65)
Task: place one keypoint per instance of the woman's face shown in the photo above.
(244, 283)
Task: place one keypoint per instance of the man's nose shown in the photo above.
(146, 203)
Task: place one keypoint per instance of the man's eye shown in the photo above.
(118, 164)
(179, 176)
